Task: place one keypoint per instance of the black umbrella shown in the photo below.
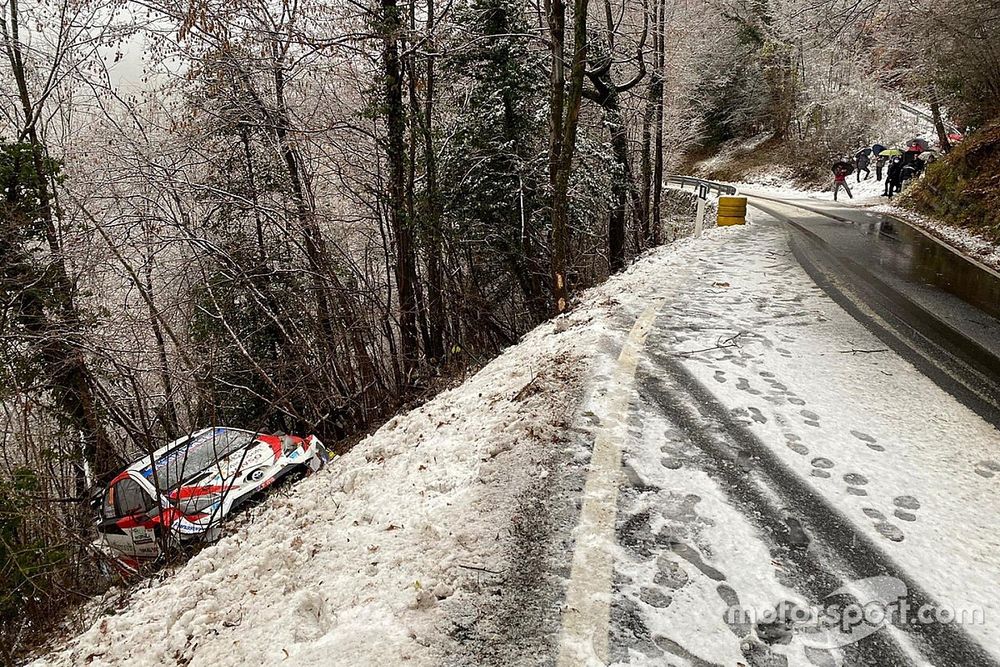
(877, 148)
(847, 167)
(863, 151)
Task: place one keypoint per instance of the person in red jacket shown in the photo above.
(841, 170)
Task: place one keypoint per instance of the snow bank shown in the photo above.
(349, 567)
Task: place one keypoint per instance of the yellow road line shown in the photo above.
(587, 614)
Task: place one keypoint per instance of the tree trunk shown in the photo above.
(658, 75)
(623, 188)
(649, 113)
(410, 67)
(398, 223)
(564, 119)
(71, 379)
(942, 132)
(435, 280)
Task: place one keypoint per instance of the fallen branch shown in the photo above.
(525, 388)
(479, 569)
(852, 351)
(732, 341)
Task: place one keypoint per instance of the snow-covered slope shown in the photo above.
(363, 562)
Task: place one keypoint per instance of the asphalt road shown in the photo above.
(931, 305)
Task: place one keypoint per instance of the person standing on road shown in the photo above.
(862, 161)
(841, 170)
(879, 166)
(893, 178)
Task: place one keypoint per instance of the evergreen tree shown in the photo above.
(492, 172)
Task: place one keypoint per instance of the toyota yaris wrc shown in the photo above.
(182, 491)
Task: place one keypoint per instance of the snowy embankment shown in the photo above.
(348, 568)
(366, 561)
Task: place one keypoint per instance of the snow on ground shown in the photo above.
(907, 464)
(371, 560)
(727, 151)
(349, 568)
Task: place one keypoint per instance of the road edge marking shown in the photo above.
(586, 615)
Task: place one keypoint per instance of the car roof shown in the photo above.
(144, 461)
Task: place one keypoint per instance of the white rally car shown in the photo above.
(183, 490)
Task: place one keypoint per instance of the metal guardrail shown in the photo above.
(701, 186)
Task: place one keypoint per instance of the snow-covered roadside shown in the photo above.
(349, 567)
(369, 561)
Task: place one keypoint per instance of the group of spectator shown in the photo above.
(898, 166)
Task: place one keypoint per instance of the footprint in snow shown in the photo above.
(795, 444)
(889, 531)
(820, 467)
(671, 462)
(692, 556)
(905, 508)
(654, 597)
(720, 376)
(783, 352)
(797, 447)
(987, 468)
(758, 416)
(869, 441)
(735, 617)
(854, 484)
(744, 385)
(670, 574)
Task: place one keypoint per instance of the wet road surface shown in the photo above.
(927, 302)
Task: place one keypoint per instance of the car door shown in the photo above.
(127, 520)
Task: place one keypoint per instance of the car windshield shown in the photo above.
(195, 454)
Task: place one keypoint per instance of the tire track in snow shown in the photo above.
(669, 386)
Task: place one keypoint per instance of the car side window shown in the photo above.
(108, 506)
(130, 498)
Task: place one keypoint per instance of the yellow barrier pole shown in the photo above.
(732, 211)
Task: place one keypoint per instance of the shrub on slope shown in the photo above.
(964, 187)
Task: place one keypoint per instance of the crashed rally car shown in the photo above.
(182, 491)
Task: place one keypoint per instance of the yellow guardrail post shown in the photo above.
(732, 211)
